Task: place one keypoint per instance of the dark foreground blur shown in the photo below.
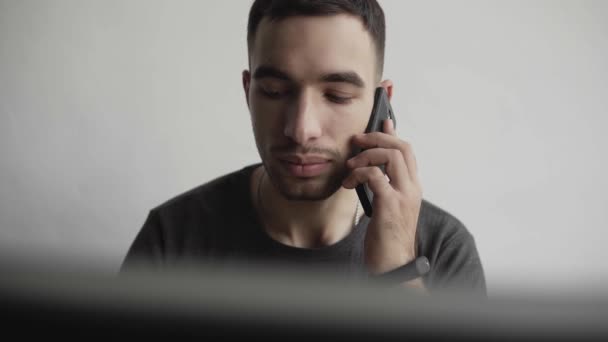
(272, 303)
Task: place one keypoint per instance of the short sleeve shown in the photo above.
(458, 267)
(147, 250)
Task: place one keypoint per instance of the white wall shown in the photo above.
(108, 108)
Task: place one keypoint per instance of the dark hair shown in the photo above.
(368, 10)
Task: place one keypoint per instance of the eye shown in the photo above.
(272, 93)
(338, 99)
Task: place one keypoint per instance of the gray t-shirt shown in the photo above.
(216, 222)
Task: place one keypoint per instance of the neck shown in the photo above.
(304, 224)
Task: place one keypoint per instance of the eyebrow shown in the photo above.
(350, 77)
(264, 71)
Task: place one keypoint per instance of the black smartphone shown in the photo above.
(380, 111)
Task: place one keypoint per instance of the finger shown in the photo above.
(410, 160)
(392, 159)
(389, 127)
(377, 139)
(384, 140)
(373, 176)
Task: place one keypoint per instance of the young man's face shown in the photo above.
(310, 88)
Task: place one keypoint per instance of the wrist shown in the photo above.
(414, 284)
(408, 274)
(388, 264)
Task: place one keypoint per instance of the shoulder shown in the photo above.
(203, 212)
(436, 223)
(211, 196)
(451, 250)
(444, 239)
(193, 221)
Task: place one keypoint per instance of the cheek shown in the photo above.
(266, 121)
(351, 120)
(262, 113)
(342, 126)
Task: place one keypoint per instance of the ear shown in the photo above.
(388, 86)
(246, 83)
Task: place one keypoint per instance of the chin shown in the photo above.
(305, 192)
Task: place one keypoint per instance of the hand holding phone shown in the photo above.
(380, 111)
(390, 239)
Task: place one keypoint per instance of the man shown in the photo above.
(313, 69)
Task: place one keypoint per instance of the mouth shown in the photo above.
(300, 159)
(305, 166)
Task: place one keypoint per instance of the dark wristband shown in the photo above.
(410, 271)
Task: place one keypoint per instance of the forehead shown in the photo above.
(307, 46)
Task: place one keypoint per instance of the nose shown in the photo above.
(303, 122)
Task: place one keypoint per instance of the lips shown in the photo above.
(303, 166)
(304, 160)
